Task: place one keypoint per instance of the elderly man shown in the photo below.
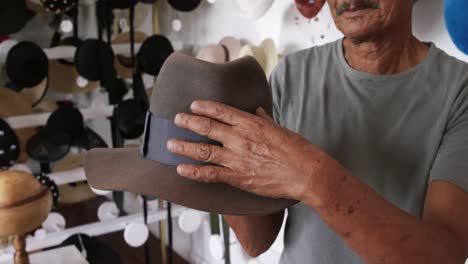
(372, 140)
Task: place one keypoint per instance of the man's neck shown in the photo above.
(386, 55)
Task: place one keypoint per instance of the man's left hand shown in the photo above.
(256, 155)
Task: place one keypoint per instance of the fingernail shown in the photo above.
(170, 145)
(195, 105)
(181, 170)
(178, 119)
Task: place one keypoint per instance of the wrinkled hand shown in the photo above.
(257, 155)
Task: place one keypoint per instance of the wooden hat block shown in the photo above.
(24, 205)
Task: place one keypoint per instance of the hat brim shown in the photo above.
(126, 170)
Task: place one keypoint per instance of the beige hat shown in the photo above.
(122, 17)
(64, 78)
(122, 63)
(233, 47)
(266, 54)
(78, 192)
(214, 53)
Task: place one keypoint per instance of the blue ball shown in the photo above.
(456, 19)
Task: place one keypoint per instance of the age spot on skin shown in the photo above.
(347, 235)
(350, 210)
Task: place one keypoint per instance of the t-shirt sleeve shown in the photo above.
(451, 162)
(276, 83)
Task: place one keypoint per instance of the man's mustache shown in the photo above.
(356, 4)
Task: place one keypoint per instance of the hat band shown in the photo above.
(158, 131)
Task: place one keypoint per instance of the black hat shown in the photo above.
(13, 16)
(116, 88)
(122, 4)
(47, 146)
(69, 120)
(26, 64)
(59, 6)
(94, 60)
(96, 251)
(129, 116)
(184, 5)
(9, 145)
(153, 53)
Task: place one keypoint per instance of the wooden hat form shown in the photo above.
(24, 205)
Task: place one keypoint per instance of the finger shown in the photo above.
(209, 174)
(224, 113)
(204, 126)
(261, 113)
(200, 151)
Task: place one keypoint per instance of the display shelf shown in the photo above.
(96, 229)
(68, 176)
(40, 119)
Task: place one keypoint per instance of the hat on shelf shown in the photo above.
(24, 202)
(457, 22)
(13, 16)
(75, 192)
(59, 6)
(122, 4)
(152, 171)
(68, 120)
(215, 53)
(94, 60)
(309, 8)
(121, 21)
(233, 47)
(184, 5)
(266, 54)
(48, 146)
(123, 64)
(9, 145)
(129, 116)
(15, 104)
(64, 76)
(152, 54)
(27, 68)
(254, 9)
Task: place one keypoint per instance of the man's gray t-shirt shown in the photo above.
(397, 133)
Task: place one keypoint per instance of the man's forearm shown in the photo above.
(256, 233)
(374, 228)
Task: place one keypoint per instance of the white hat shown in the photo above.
(254, 9)
(233, 47)
(214, 53)
(266, 54)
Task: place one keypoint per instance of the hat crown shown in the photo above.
(184, 79)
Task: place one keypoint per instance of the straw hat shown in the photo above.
(14, 104)
(266, 54)
(122, 63)
(24, 202)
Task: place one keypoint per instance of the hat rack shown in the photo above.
(95, 229)
(39, 119)
(62, 52)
